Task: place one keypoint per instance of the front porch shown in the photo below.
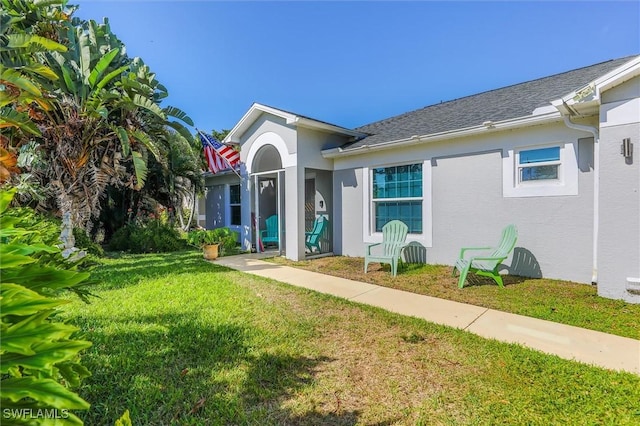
(287, 184)
(284, 209)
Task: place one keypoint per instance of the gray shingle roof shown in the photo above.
(510, 102)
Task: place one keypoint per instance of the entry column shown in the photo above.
(294, 211)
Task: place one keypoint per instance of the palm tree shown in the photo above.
(105, 123)
(171, 183)
(92, 112)
(185, 179)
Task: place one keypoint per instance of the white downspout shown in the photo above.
(596, 188)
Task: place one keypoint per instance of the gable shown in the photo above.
(289, 119)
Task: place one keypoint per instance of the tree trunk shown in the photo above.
(193, 209)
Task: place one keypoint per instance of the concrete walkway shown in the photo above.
(573, 343)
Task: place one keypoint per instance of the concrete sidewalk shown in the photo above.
(573, 343)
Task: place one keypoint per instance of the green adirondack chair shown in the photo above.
(487, 262)
(312, 239)
(394, 234)
(270, 235)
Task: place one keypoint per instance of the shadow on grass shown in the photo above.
(129, 270)
(507, 280)
(274, 379)
(175, 369)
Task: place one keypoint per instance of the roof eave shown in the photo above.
(326, 127)
(257, 110)
(485, 128)
(586, 100)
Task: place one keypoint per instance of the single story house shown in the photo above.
(557, 156)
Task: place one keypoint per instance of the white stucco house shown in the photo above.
(557, 156)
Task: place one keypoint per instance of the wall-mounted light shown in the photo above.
(627, 148)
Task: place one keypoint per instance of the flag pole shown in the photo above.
(221, 156)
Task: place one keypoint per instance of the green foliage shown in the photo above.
(220, 135)
(125, 420)
(223, 236)
(153, 236)
(44, 234)
(227, 238)
(38, 356)
(45, 229)
(71, 83)
(83, 241)
(201, 237)
(19, 120)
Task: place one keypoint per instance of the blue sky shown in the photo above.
(353, 63)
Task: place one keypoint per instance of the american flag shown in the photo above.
(219, 156)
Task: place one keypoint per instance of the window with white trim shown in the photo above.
(541, 171)
(234, 205)
(396, 193)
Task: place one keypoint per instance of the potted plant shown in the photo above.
(205, 239)
(213, 242)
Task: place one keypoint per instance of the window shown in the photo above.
(234, 204)
(540, 171)
(397, 194)
(538, 164)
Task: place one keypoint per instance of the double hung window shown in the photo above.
(397, 194)
(541, 164)
(541, 171)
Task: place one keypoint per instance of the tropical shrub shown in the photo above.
(223, 236)
(153, 236)
(81, 118)
(39, 361)
(83, 241)
(44, 228)
(202, 237)
(227, 238)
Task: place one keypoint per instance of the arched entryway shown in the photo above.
(267, 206)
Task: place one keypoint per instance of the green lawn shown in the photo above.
(178, 340)
(553, 300)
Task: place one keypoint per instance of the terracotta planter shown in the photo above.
(210, 251)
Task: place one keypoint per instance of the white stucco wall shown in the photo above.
(294, 211)
(469, 208)
(263, 125)
(619, 248)
(310, 145)
(347, 212)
